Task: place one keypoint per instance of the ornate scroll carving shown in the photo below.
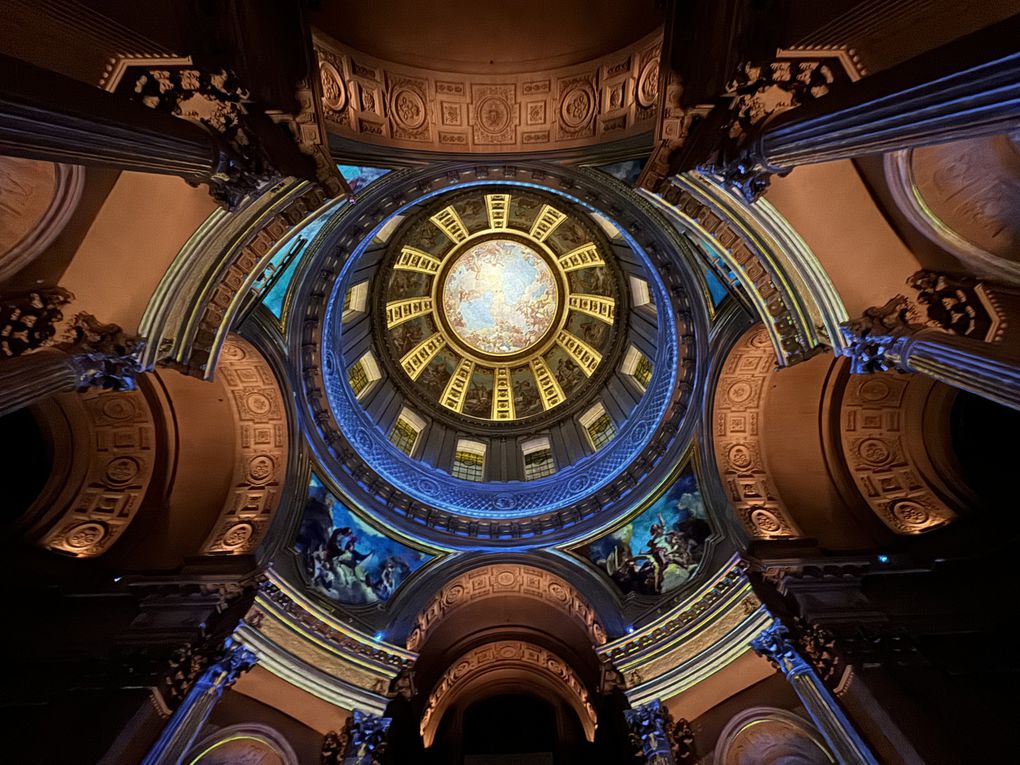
(758, 93)
(736, 426)
(261, 453)
(874, 341)
(381, 102)
(104, 355)
(118, 442)
(28, 320)
(959, 304)
(217, 101)
(515, 656)
(505, 579)
(650, 727)
(874, 443)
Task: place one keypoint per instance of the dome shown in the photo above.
(520, 352)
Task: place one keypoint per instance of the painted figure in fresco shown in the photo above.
(661, 548)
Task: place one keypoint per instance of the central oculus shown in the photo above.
(500, 297)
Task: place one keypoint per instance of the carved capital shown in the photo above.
(105, 356)
(777, 645)
(875, 342)
(216, 101)
(649, 733)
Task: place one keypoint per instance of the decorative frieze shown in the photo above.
(371, 100)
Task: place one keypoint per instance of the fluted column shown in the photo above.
(47, 116)
(187, 720)
(776, 645)
(968, 88)
(884, 340)
(99, 356)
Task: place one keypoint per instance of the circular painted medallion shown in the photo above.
(500, 297)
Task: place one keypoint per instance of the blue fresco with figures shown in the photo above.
(661, 548)
(344, 557)
(359, 176)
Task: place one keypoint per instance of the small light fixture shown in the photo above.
(630, 629)
(117, 579)
(883, 558)
(379, 636)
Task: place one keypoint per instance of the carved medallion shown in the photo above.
(648, 84)
(407, 108)
(122, 470)
(85, 535)
(493, 114)
(577, 107)
(334, 93)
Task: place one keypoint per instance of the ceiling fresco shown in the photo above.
(345, 558)
(660, 549)
(500, 304)
(500, 297)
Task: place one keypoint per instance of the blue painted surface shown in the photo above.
(626, 171)
(497, 500)
(660, 549)
(716, 289)
(347, 559)
(359, 176)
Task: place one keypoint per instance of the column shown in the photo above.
(776, 645)
(47, 116)
(181, 729)
(649, 723)
(883, 340)
(362, 741)
(967, 88)
(99, 355)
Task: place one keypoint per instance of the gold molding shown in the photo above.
(416, 359)
(448, 221)
(585, 256)
(549, 389)
(497, 206)
(582, 354)
(457, 386)
(546, 222)
(502, 395)
(413, 259)
(399, 311)
(602, 308)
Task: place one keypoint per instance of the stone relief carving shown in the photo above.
(736, 420)
(242, 270)
(37, 199)
(29, 320)
(739, 245)
(964, 196)
(121, 443)
(505, 579)
(874, 341)
(105, 356)
(380, 102)
(960, 304)
(260, 420)
(217, 101)
(874, 442)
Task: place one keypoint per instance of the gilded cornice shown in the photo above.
(691, 641)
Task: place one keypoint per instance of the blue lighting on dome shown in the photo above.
(514, 499)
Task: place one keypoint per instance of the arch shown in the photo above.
(260, 423)
(39, 199)
(504, 665)
(501, 579)
(104, 456)
(246, 742)
(736, 418)
(770, 736)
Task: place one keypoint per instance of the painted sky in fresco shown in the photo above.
(660, 549)
(347, 559)
(500, 297)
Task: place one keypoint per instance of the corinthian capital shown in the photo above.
(106, 356)
(874, 342)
